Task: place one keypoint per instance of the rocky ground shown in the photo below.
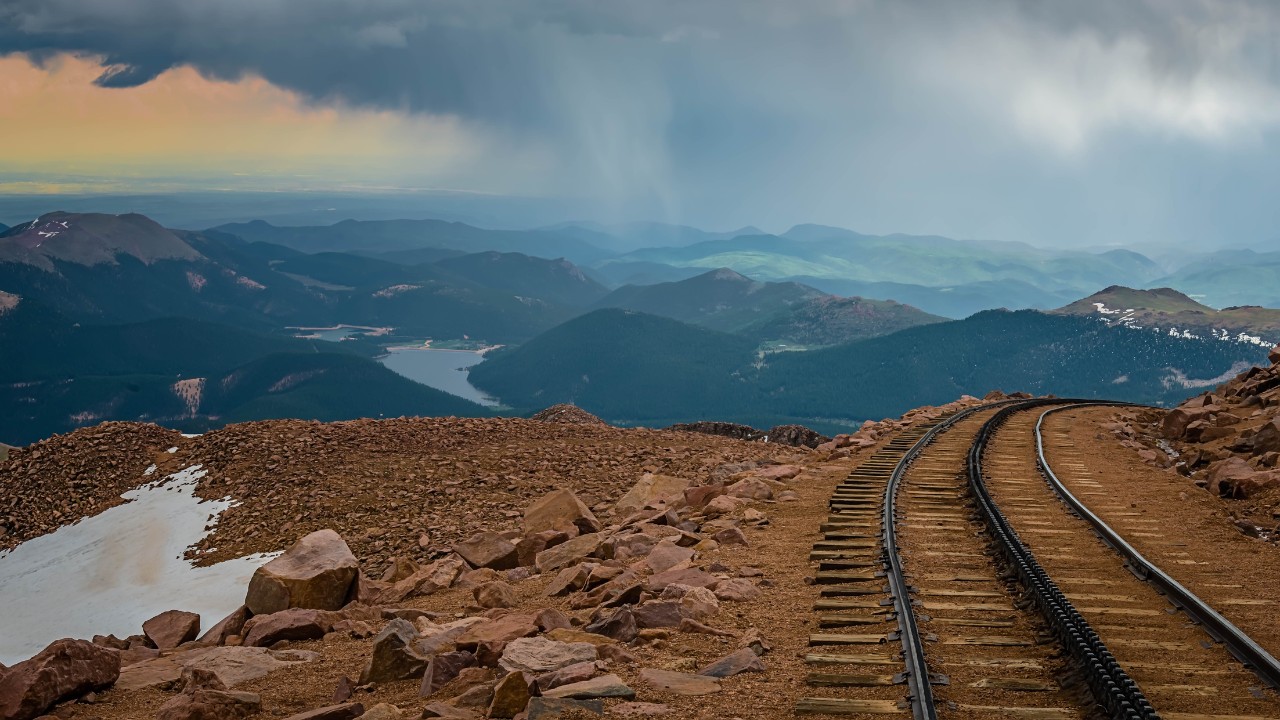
(567, 569)
(1226, 441)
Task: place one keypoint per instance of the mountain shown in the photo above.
(830, 320)
(91, 239)
(951, 301)
(392, 236)
(1230, 278)
(1048, 278)
(615, 274)
(56, 375)
(635, 368)
(558, 281)
(721, 299)
(1167, 310)
(784, 313)
(626, 237)
(625, 365)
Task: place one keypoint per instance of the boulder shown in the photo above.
(568, 553)
(570, 579)
(731, 536)
(315, 573)
(292, 624)
(679, 683)
(552, 619)
(394, 655)
(619, 625)
(696, 603)
(499, 630)
(449, 712)
(1267, 438)
(442, 670)
(605, 686)
(658, 614)
(778, 472)
(511, 695)
(1274, 356)
(232, 624)
(744, 660)
(64, 670)
(441, 574)
(750, 488)
(723, 505)
(1235, 478)
(652, 491)
(210, 704)
(433, 638)
(699, 496)
(536, 655)
(496, 594)
(488, 550)
(559, 510)
(667, 555)
(345, 711)
(528, 547)
(691, 577)
(383, 711)
(171, 628)
(736, 590)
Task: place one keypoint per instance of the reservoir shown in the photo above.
(441, 369)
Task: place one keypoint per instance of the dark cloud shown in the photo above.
(1013, 119)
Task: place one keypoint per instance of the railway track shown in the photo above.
(954, 583)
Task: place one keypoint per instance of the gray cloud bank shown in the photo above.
(1081, 123)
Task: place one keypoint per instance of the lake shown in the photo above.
(441, 369)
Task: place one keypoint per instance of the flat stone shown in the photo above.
(449, 712)
(545, 708)
(639, 709)
(503, 630)
(667, 555)
(209, 704)
(744, 660)
(233, 666)
(605, 686)
(736, 590)
(652, 490)
(576, 672)
(658, 614)
(291, 624)
(442, 669)
(679, 683)
(536, 655)
(345, 711)
(691, 577)
(568, 553)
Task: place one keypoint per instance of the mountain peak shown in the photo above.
(728, 274)
(92, 239)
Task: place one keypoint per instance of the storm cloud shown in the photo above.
(1082, 123)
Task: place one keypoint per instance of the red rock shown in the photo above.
(744, 660)
(527, 548)
(569, 580)
(559, 510)
(495, 595)
(550, 619)
(723, 505)
(293, 624)
(736, 590)
(488, 550)
(1266, 439)
(232, 624)
(652, 491)
(679, 683)
(658, 614)
(315, 573)
(605, 686)
(750, 488)
(699, 496)
(65, 669)
(666, 555)
(619, 625)
(778, 472)
(691, 577)
(576, 672)
(442, 669)
(540, 654)
(441, 574)
(503, 629)
(731, 536)
(395, 656)
(1235, 478)
(1274, 355)
(510, 696)
(449, 712)
(568, 553)
(171, 628)
(346, 711)
(207, 704)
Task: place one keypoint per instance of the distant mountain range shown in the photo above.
(633, 368)
(116, 317)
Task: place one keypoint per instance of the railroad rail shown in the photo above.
(922, 550)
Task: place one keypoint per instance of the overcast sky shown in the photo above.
(1079, 123)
